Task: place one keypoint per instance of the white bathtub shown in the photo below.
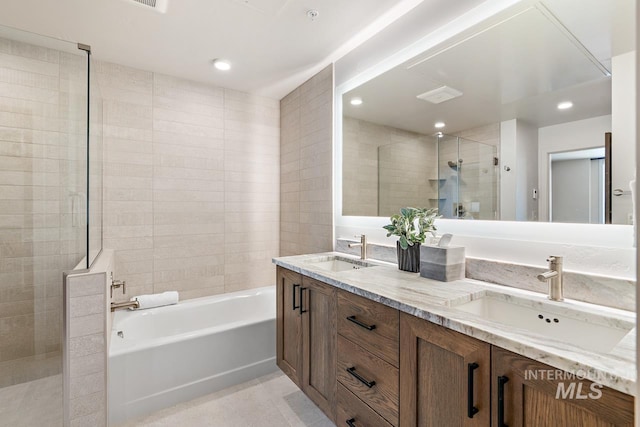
(171, 354)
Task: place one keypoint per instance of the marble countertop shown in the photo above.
(436, 302)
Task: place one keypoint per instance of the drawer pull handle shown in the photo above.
(295, 307)
(359, 323)
(471, 409)
(502, 380)
(354, 374)
(351, 422)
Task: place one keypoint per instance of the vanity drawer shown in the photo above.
(357, 367)
(369, 324)
(350, 408)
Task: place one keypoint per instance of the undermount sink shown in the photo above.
(338, 263)
(557, 321)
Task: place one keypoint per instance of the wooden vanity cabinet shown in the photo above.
(444, 376)
(306, 336)
(289, 324)
(367, 365)
(525, 393)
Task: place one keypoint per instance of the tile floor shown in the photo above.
(269, 401)
(34, 403)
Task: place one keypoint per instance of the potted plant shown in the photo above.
(411, 226)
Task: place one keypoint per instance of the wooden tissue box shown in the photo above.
(442, 263)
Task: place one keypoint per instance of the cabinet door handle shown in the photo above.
(302, 310)
(354, 374)
(502, 380)
(295, 307)
(359, 323)
(471, 409)
(351, 422)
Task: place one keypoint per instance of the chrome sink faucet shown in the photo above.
(363, 246)
(554, 278)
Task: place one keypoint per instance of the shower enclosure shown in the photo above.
(467, 178)
(50, 211)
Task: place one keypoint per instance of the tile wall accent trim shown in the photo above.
(607, 291)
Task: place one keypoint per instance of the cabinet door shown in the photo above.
(319, 344)
(532, 394)
(444, 376)
(289, 324)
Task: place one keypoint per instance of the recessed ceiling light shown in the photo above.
(221, 64)
(439, 125)
(565, 105)
(356, 101)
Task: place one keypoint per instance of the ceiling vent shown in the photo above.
(157, 5)
(441, 94)
(269, 7)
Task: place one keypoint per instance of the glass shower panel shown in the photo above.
(95, 165)
(73, 155)
(448, 165)
(477, 179)
(43, 122)
(468, 179)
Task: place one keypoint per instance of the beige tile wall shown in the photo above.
(306, 171)
(386, 168)
(407, 172)
(191, 184)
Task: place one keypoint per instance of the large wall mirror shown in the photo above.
(524, 117)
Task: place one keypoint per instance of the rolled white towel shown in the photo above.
(156, 300)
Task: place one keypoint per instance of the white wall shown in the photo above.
(623, 140)
(571, 136)
(570, 193)
(518, 153)
(527, 176)
(508, 170)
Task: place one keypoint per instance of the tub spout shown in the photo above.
(126, 304)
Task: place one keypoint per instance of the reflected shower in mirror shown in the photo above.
(484, 125)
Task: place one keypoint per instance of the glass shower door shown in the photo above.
(468, 178)
(478, 180)
(448, 184)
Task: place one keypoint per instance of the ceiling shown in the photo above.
(272, 45)
(521, 67)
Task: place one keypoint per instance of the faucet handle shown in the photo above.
(555, 259)
(118, 284)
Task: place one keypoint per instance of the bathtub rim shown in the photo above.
(145, 344)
